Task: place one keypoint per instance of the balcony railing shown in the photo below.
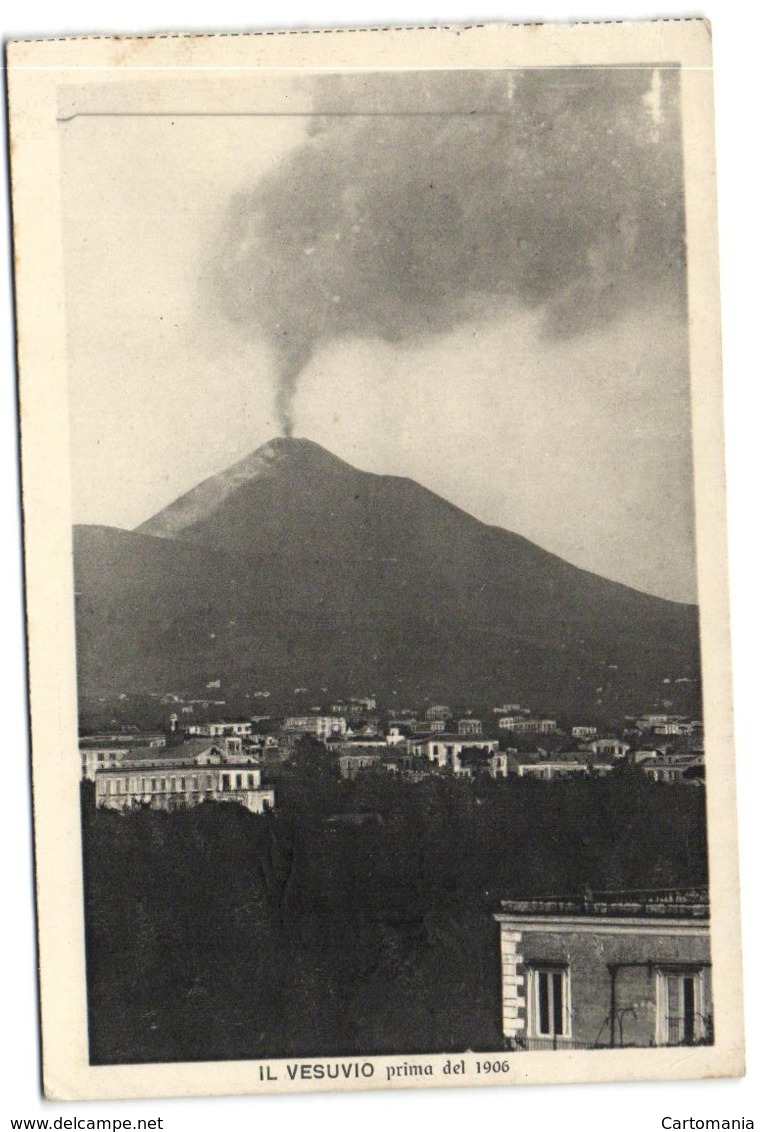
(689, 903)
(679, 1032)
(537, 1044)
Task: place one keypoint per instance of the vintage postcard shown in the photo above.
(376, 583)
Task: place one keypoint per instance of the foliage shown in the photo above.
(214, 933)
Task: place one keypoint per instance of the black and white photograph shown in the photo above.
(380, 704)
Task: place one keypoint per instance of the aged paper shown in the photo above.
(374, 507)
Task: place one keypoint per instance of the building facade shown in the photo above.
(438, 711)
(351, 762)
(319, 726)
(469, 726)
(616, 747)
(549, 769)
(183, 779)
(218, 730)
(93, 759)
(606, 970)
(427, 726)
(527, 726)
(446, 751)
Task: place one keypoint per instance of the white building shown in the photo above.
(469, 726)
(584, 732)
(616, 747)
(426, 726)
(319, 726)
(221, 728)
(446, 750)
(93, 759)
(438, 711)
(188, 775)
(395, 736)
(527, 726)
(675, 728)
(649, 722)
(366, 703)
(125, 739)
(645, 754)
(550, 770)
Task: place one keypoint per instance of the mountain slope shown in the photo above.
(293, 567)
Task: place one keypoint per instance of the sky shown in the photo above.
(477, 281)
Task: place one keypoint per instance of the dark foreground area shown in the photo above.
(357, 917)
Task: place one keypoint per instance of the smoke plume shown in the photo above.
(453, 194)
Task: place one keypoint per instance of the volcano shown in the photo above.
(294, 568)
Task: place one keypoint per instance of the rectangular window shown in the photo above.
(225, 782)
(549, 1002)
(681, 1015)
(250, 780)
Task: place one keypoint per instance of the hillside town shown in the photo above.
(205, 757)
(548, 868)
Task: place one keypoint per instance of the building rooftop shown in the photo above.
(120, 740)
(180, 754)
(455, 737)
(359, 750)
(672, 903)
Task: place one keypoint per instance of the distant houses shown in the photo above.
(220, 729)
(427, 726)
(465, 755)
(469, 726)
(676, 769)
(317, 726)
(662, 724)
(438, 712)
(617, 748)
(464, 743)
(549, 769)
(527, 726)
(352, 758)
(445, 748)
(396, 735)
